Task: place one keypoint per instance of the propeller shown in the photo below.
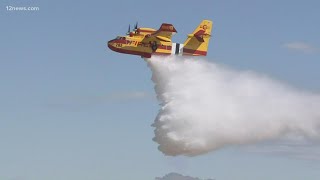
(128, 30)
(136, 26)
(134, 29)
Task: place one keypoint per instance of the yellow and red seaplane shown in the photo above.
(146, 42)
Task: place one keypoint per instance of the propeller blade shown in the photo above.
(136, 26)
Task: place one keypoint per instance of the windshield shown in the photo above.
(120, 37)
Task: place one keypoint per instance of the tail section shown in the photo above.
(197, 42)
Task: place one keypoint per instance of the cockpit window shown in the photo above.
(122, 38)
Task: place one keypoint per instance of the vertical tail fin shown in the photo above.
(197, 42)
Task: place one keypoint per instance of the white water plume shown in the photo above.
(205, 106)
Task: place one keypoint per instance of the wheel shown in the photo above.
(154, 46)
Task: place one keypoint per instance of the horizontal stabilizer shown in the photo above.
(200, 33)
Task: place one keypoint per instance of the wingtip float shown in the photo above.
(146, 42)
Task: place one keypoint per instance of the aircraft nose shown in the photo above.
(110, 43)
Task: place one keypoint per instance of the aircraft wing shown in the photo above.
(165, 32)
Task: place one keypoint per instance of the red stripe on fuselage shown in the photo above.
(125, 51)
(192, 51)
(145, 44)
(121, 41)
(165, 47)
(161, 53)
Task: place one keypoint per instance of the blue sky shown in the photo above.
(72, 109)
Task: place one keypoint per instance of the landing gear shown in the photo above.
(154, 46)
